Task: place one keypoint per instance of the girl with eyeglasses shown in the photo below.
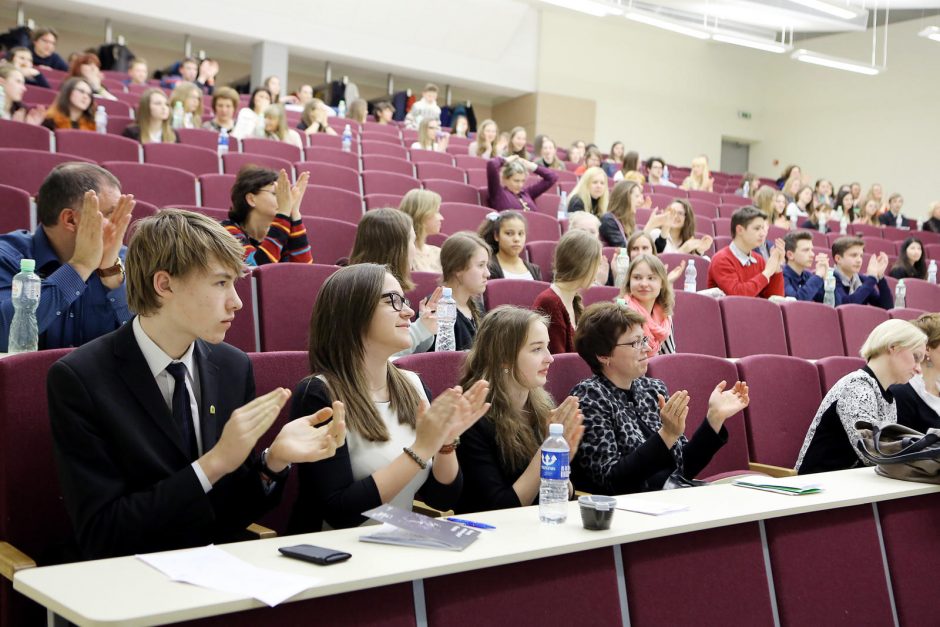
(633, 428)
(398, 446)
(73, 108)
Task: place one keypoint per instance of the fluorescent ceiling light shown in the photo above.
(825, 7)
(759, 44)
(839, 64)
(669, 25)
(591, 7)
(931, 32)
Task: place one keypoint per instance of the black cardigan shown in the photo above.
(913, 411)
(496, 270)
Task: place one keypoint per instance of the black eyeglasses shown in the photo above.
(396, 300)
(637, 344)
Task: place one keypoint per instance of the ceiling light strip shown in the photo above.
(835, 63)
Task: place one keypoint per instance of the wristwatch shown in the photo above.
(117, 268)
(267, 472)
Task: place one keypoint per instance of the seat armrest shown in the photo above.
(773, 471)
(13, 560)
(260, 531)
(420, 507)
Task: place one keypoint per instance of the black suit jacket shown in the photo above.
(128, 484)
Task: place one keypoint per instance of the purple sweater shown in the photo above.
(501, 198)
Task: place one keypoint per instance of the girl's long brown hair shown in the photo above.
(383, 237)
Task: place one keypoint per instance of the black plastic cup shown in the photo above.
(597, 511)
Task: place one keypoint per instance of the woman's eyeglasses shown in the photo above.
(637, 344)
(396, 300)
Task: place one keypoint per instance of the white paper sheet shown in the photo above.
(653, 508)
(213, 568)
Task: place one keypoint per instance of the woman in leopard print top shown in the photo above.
(633, 436)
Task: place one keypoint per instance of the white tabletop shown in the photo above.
(128, 592)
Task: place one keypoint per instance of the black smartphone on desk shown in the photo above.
(315, 554)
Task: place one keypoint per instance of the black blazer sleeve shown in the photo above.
(132, 131)
(575, 204)
(701, 448)
(610, 231)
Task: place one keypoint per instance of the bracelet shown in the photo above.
(414, 456)
(447, 449)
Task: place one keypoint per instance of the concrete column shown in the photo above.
(267, 59)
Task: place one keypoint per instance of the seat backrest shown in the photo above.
(696, 324)
(922, 295)
(439, 371)
(599, 293)
(546, 203)
(416, 155)
(216, 190)
(388, 183)
(384, 147)
(542, 254)
(386, 163)
(876, 244)
(813, 329)
(27, 169)
(97, 147)
(541, 228)
(378, 201)
(864, 229)
(784, 396)
(452, 191)
(331, 240)
(857, 322)
(906, 313)
(328, 175)
(566, 371)
(282, 327)
(160, 185)
(202, 137)
(272, 148)
(427, 171)
(753, 326)
(425, 284)
(831, 369)
(242, 334)
(704, 208)
(462, 217)
(14, 209)
(519, 292)
(22, 135)
(469, 162)
(332, 202)
(319, 154)
(232, 162)
(699, 374)
(194, 159)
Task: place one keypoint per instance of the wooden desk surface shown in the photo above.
(128, 592)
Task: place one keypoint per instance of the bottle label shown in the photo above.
(555, 465)
(33, 289)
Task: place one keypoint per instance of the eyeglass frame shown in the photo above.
(637, 344)
(395, 297)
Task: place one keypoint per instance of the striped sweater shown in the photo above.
(285, 241)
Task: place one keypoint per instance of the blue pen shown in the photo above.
(470, 523)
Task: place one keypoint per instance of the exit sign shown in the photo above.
(744, 115)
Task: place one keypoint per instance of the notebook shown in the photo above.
(406, 528)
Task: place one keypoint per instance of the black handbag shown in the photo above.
(900, 452)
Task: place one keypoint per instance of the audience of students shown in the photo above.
(21, 58)
(918, 400)
(545, 148)
(424, 207)
(384, 112)
(738, 272)
(465, 270)
(275, 127)
(358, 110)
(893, 353)
(73, 108)
(592, 159)
(805, 272)
(505, 233)
(700, 178)
(655, 170)
(315, 119)
(588, 222)
(911, 263)
(460, 126)
(818, 218)
(618, 224)
(614, 161)
(648, 291)
(486, 144)
(499, 454)
(506, 183)
(225, 103)
(44, 54)
(189, 95)
(932, 223)
(396, 446)
(425, 107)
(591, 193)
(137, 72)
(517, 144)
(893, 217)
(14, 88)
(574, 266)
(430, 136)
(153, 120)
(265, 217)
(88, 67)
(677, 233)
(633, 429)
(853, 287)
(250, 120)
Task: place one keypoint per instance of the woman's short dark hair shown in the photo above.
(599, 328)
(250, 179)
(251, 101)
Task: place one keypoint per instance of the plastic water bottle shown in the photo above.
(341, 109)
(900, 295)
(347, 138)
(24, 330)
(932, 272)
(691, 274)
(844, 225)
(188, 120)
(553, 492)
(177, 121)
(446, 317)
(793, 221)
(829, 288)
(899, 222)
(665, 176)
(621, 264)
(746, 188)
(223, 142)
(3, 102)
(101, 120)
(563, 206)
(821, 225)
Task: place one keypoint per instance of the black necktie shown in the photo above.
(182, 410)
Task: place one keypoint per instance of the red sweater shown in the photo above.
(560, 329)
(727, 273)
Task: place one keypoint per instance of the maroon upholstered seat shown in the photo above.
(286, 294)
(753, 326)
(439, 371)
